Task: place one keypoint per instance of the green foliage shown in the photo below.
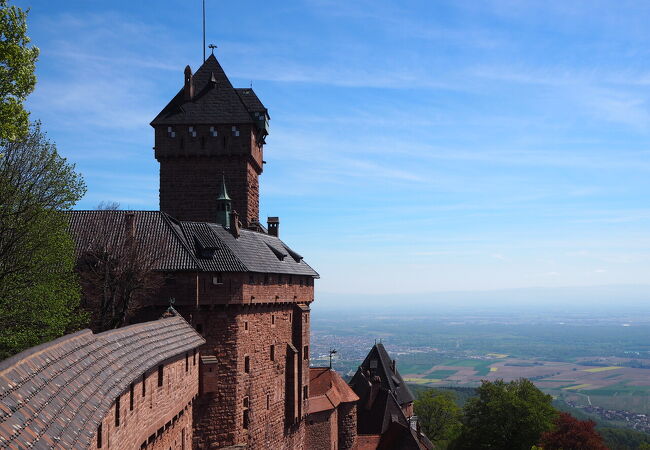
(439, 416)
(624, 439)
(506, 415)
(39, 291)
(17, 77)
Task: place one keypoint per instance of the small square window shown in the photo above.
(217, 279)
(235, 131)
(170, 132)
(213, 132)
(192, 131)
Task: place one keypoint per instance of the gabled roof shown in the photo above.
(327, 390)
(215, 100)
(195, 246)
(56, 394)
(378, 363)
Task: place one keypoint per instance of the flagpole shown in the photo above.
(203, 30)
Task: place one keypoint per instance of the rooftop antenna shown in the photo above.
(203, 30)
(332, 353)
(212, 47)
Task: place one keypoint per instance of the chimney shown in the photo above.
(234, 223)
(188, 88)
(274, 226)
(129, 225)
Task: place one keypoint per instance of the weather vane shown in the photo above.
(332, 353)
(212, 47)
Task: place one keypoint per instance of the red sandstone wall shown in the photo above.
(322, 431)
(234, 334)
(192, 289)
(162, 417)
(347, 426)
(191, 168)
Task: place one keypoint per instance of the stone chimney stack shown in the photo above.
(188, 87)
(273, 224)
(234, 223)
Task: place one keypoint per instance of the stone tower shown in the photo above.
(208, 129)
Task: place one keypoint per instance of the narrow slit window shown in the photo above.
(117, 411)
(144, 384)
(247, 364)
(160, 375)
(99, 436)
(306, 353)
(272, 319)
(187, 361)
(131, 395)
(194, 357)
(272, 352)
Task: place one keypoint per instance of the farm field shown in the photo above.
(609, 386)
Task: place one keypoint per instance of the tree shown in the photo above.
(118, 267)
(17, 77)
(39, 291)
(574, 434)
(506, 415)
(438, 415)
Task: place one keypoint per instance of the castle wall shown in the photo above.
(347, 426)
(245, 398)
(191, 169)
(322, 430)
(159, 419)
(191, 289)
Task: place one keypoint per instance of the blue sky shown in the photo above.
(415, 146)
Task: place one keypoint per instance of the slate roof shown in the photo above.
(195, 246)
(56, 394)
(327, 390)
(390, 380)
(215, 101)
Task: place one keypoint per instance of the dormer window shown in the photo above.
(170, 132)
(192, 131)
(235, 131)
(213, 132)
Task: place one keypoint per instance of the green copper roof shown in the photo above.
(223, 192)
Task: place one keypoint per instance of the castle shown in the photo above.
(241, 302)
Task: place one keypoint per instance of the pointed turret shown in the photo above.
(224, 204)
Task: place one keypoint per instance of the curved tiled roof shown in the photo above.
(56, 394)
